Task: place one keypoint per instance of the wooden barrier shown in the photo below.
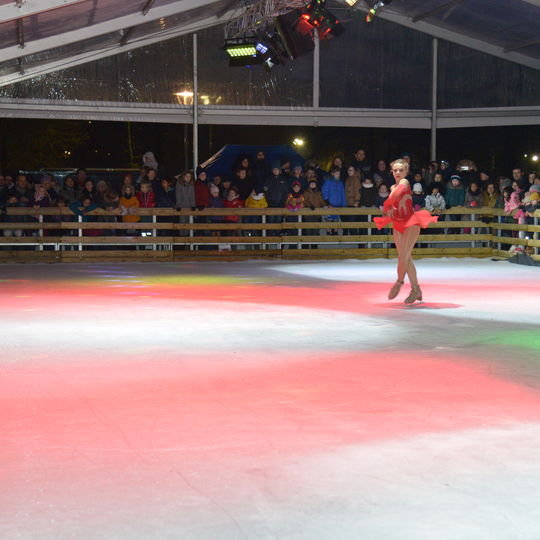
(56, 234)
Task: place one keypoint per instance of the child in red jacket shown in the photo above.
(233, 201)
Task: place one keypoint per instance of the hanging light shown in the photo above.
(378, 5)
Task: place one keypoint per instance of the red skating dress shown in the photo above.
(400, 201)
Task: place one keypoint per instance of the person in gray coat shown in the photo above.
(185, 197)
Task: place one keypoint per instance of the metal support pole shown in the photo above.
(434, 69)
(195, 106)
(316, 69)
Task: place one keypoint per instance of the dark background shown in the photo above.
(36, 144)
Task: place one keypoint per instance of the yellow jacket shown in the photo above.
(133, 202)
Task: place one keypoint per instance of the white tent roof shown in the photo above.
(43, 36)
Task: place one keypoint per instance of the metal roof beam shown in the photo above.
(260, 116)
(115, 49)
(426, 14)
(92, 31)
(455, 37)
(20, 9)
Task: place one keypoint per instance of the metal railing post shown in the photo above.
(80, 220)
(40, 232)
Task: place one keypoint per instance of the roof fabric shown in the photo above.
(43, 36)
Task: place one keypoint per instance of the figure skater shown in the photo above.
(406, 223)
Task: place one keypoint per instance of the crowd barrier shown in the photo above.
(56, 234)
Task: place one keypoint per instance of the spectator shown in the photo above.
(360, 163)
(88, 190)
(129, 202)
(455, 197)
(185, 198)
(276, 191)
(418, 196)
(333, 192)
(215, 201)
(261, 169)
(473, 196)
(80, 177)
(101, 190)
(439, 182)
(491, 198)
(233, 201)
(149, 160)
(352, 187)
(255, 200)
(243, 182)
(164, 194)
(455, 194)
(13, 201)
(368, 193)
(382, 195)
(41, 198)
(83, 208)
(520, 178)
(146, 199)
(224, 188)
(436, 205)
(297, 175)
(382, 173)
(447, 171)
(22, 189)
(69, 192)
(294, 202)
(202, 192)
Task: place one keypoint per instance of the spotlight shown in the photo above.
(297, 141)
(378, 5)
(315, 15)
(535, 157)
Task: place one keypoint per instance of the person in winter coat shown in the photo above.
(260, 170)
(12, 201)
(313, 199)
(276, 191)
(455, 193)
(215, 201)
(368, 193)
(185, 198)
(353, 184)
(69, 192)
(418, 197)
(202, 192)
(82, 208)
(455, 197)
(128, 202)
(333, 192)
(295, 201)
(146, 200)
(255, 200)
(436, 205)
(233, 201)
(473, 196)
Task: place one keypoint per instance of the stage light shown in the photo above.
(535, 157)
(297, 141)
(378, 5)
(315, 15)
(240, 47)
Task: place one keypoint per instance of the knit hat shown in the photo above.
(535, 188)
(456, 176)
(417, 188)
(276, 164)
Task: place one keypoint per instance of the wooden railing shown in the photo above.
(56, 234)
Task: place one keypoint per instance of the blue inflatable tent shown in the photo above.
(223, 162)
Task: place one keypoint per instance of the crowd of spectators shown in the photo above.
(255, 183)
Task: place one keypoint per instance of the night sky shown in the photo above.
(71, 144)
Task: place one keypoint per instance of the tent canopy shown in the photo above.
(43, 36)
(223, 162)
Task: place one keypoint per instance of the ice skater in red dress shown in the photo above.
(398, 210)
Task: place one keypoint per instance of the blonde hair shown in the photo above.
(404, 163)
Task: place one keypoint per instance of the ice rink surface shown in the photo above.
(269, 400)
